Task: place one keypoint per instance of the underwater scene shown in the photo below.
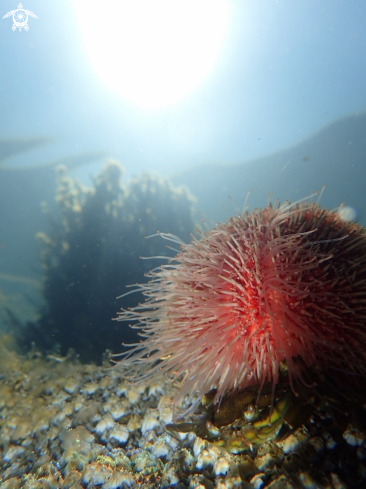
(183, 244)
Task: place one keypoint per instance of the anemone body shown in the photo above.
(284, 283)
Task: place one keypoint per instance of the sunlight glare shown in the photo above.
(153, 52)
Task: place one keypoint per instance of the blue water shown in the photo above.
(282, 111)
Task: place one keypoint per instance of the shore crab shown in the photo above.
(256, 415)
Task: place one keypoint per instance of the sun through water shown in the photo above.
(153, 52)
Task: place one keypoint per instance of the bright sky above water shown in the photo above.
(284, 69)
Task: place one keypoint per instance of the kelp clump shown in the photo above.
(94, 253)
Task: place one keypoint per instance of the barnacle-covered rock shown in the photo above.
(119, 435)
(353, 436)
(53, 439)
(96, 474)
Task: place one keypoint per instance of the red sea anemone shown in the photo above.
(284, 283)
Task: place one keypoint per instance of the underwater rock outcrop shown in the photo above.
(93, 252)
(11, 147)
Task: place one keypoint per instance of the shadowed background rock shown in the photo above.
(93, 251)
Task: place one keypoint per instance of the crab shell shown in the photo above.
(257, 415)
